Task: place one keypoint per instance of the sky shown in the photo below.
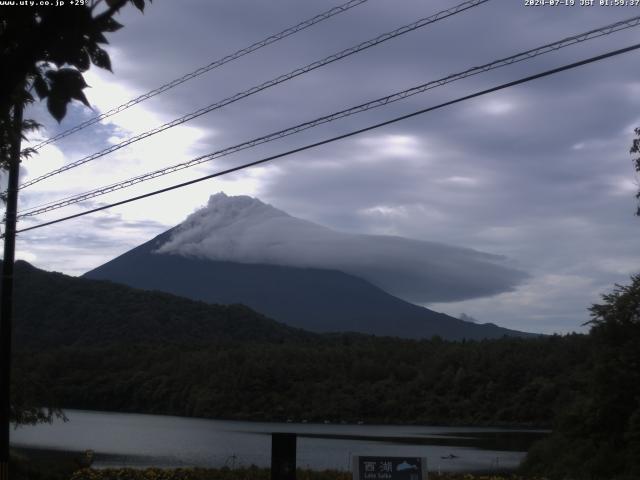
(539, 174)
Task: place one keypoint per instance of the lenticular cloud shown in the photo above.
(246, 230)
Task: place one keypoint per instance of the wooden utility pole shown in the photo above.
(6, 296)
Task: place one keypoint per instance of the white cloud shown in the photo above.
(386, 211)
(393, 146)
(497, 107)
(460, 180)
(624, 186)
(242, 229)
(26, 256)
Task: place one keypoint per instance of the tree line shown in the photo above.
(343, 377)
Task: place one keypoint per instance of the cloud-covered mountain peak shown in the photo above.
(236, 229)
(245, 230)
(222, 211)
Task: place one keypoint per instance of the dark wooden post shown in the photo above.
(283, 456)
(6, 300)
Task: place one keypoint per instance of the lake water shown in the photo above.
(152, 440)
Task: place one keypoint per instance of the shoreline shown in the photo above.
(522, 427)
(60, 464)
(73, 459)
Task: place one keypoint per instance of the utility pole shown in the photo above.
(6, 298)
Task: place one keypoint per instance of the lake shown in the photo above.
(153, 440)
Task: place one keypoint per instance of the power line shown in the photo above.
(280, 79)
(608, 29)
(202, 70)
(343, 136)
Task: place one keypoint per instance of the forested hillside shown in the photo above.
(56, 310)
(350, 378)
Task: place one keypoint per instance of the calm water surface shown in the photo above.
(153, 440)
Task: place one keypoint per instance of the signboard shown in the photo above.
(389, 468)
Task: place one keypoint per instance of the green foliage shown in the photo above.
(26, 387)
(497, 382)
(64, 84)
(619, 314)
(597, 436)
(9, 137)
(40, 465)
(252, 473)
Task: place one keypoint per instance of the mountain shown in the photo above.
(314, 299)
(95, 345)
(56, 310)
(242, 229)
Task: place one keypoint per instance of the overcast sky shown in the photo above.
(539, 174)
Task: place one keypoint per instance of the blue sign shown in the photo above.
(389, 468)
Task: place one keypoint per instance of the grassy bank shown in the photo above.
(33, 464)
(249, 474)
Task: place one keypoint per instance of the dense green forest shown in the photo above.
(343, 377)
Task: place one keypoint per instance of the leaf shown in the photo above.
(79, 95)
(66, 84)
(99, 37)
(100, 58)
(57, 107)
(61, 54)
(82, 61)
(69, 80)
(116, 4)
(29, 125)
(110, 25)
(139, 4)
(41, 87)
(27, 152)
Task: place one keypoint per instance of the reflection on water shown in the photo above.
(152, 440)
